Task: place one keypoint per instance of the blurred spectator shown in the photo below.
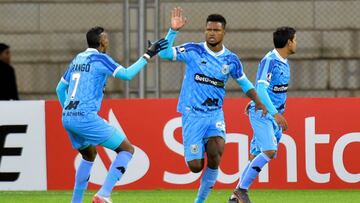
(8, 87)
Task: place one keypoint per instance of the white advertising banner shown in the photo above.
(22, 145)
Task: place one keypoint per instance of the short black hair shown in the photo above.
(93, 37)
(216, 18)
(3, 47)
(282, 35)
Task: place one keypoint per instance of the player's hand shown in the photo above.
(177, 19)
(281, 121)
(261, 106)
(156, 47)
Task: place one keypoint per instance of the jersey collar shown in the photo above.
(280, 57)
(216, 54)
(91, 49)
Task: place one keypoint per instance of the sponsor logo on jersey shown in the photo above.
(280, 88)
(201, 78)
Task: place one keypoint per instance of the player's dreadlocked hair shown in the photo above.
(216, 18)
(282, 35)
(93, 37)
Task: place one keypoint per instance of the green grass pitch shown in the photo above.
(187, 196)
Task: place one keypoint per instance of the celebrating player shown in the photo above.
(271, 84)
(80, 92)
(208, 67)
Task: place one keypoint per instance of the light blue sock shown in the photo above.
(207, 182)
(253, 171)
(117, 169)
(243, 173)
(81, 180)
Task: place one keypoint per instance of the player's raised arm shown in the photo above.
(177, 22)
(131, 71)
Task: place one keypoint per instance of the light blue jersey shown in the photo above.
(86, 77)
(274, 72)
(203, 90)
(274, 75)
(206, 75)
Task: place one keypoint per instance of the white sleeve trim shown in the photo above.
(174, 53)
(64, 81)
(117, 70)
(264, 82)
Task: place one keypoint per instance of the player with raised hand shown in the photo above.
(272, 81)
(208, 67)
(80, 92)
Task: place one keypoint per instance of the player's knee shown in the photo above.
(195, 166)
(131, 149)
(195, 169)
(90, 156)
(89, 153)
(128, 148)
(271, 153)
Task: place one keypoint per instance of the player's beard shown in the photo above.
(213, 44)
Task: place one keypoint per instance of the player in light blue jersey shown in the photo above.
(272, 81)
(208, 67)
(80, 92)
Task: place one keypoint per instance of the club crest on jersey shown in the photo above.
(194, 148)
(225, 69)
(182, 49)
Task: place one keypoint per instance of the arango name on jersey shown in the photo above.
(81, 67)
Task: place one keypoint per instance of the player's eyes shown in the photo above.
(213, 30)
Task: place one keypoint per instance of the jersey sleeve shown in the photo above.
(183, 52)
(237, 71)
(265, 72)
(105, 64)
(66, 77)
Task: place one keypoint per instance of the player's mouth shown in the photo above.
(212, 39)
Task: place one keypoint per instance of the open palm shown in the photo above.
(177, 19)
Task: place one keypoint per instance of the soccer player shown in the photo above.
(271, 84)
(80, 92)
(208, 67)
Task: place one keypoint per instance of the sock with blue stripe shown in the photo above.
(117, 169)
(253, 171)
(81, 180)
(207, 183)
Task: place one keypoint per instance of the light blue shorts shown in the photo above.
(197, 128)
(267, 133)
(92, 130)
